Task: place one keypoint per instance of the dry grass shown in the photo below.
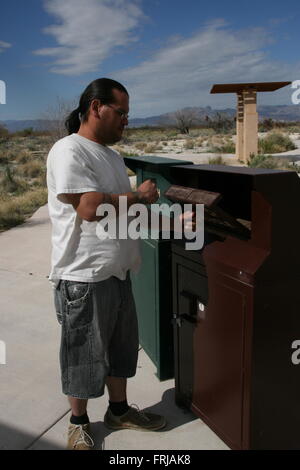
(32, 169)
(15, 210)
(23, 187)
(22, 157)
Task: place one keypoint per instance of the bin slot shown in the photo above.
(216, 219)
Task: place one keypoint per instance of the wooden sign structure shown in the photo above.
(247, 117)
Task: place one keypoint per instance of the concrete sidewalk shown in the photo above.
(33, 412)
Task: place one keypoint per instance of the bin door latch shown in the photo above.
(179, 318)
(197, 307)
(201, 310)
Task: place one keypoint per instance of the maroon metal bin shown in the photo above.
(236, 309)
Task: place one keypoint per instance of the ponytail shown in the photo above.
(72, 122)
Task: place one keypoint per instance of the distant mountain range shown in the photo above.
(36, 124)
(278, 113)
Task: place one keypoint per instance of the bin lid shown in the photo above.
(151, 160)
(239, 170)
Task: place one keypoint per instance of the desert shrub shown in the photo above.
(221, 123)
(189, 144)
(171, 134)
(293, 129)
(194, 133)
(32, 169)
(40, 181)
(9, 217)
(200, 141)
(144, 134)
(32, 147)
(266, 125)
(268, 161)
(28, 131)
(275, 142)
(140, 145)
(227, 147)
(4, 159)
(217, 161)
(4, 134)
(22, 156)
(125, 153)
(262, 161)
(151, 148)
(10, 183)
(205, 132)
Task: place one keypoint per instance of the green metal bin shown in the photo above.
(152, 285)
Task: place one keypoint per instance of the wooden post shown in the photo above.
(247, 117)
(239, 146)
(250, 124)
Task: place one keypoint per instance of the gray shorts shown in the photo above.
(99, 335)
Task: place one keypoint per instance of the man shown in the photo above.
(90, 272)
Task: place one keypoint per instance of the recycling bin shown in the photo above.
(152, 285)
(236, 308)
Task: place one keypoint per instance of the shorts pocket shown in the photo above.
(78, 303)
(58, 305)
(76, 291)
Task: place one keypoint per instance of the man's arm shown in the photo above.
(86, 204)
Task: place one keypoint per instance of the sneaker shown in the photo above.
(136, 419)
(79, 437)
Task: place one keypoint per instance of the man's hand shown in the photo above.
(147, 192)
(183, 223)
(188, 220)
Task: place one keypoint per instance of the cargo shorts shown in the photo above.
(99, 334)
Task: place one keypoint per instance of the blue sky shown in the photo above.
(168, 53)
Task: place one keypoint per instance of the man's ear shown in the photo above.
(94, 108)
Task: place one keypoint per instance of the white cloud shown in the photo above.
(178, 75)
(183, 73)
(4, 45)
(89, 31)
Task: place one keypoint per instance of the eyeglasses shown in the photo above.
(121, 113)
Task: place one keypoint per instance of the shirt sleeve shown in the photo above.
(72, 173)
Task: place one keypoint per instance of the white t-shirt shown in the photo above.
(77, 165)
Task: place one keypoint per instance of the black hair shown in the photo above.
(100, 89)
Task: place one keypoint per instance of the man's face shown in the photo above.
(111, 121)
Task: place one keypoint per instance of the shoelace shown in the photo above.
(84, 437)
(141, 413)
